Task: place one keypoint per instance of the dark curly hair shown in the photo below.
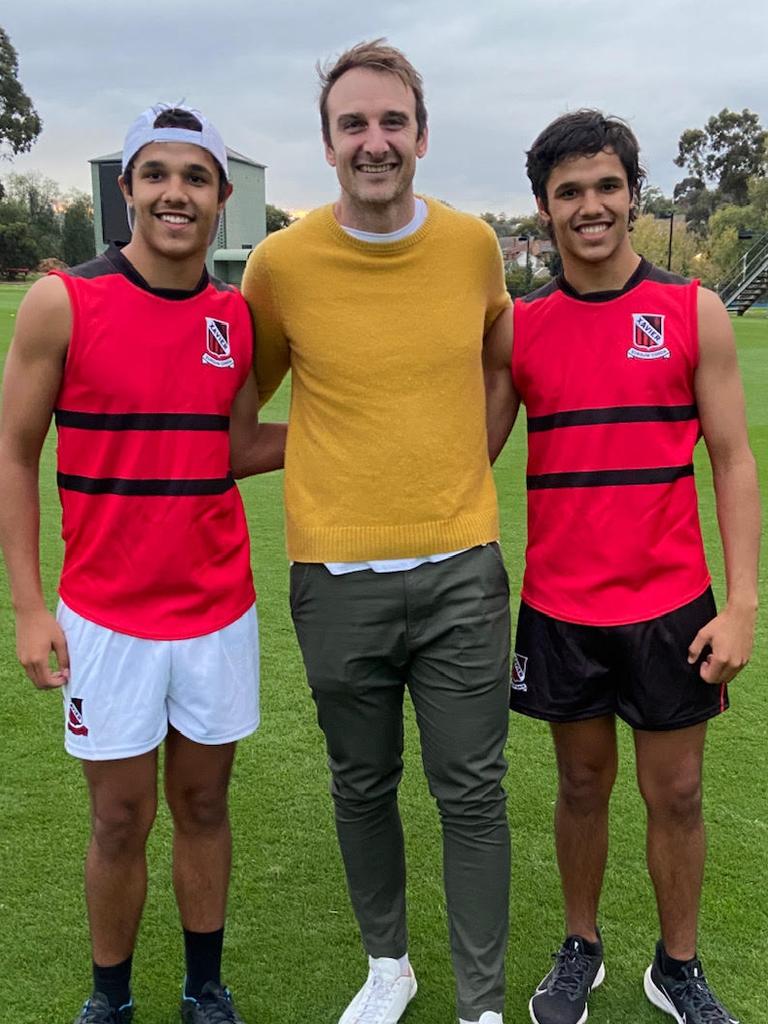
(585, 133)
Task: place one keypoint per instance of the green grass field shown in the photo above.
(292, 953)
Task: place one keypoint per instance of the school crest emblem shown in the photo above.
(517, 675)
(648, 337)
(75, 720)
(217, 348)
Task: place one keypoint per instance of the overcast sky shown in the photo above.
(495, 72)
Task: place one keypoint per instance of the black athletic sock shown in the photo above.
(114, 982)
(202, 951)
(671, 967)
(593, 948)
(590, 948)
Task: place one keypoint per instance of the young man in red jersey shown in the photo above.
(145, 363)
(622, 367)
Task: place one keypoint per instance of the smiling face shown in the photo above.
(374, 143)
(175, 199)
(588, 207)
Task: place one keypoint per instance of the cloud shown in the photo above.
(495, 74)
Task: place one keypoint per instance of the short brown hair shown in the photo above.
(376, 56)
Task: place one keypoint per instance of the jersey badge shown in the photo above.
(217, 349)
(517, 676)
(648, 337)
(75, 721)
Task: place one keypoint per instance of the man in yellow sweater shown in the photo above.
(379, 305)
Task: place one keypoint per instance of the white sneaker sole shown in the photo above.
(413, 990)
(657, 997)
(599, 979)
(661, 1001)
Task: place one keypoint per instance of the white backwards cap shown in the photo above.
(143, 131)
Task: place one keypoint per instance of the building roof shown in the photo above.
(513, 245)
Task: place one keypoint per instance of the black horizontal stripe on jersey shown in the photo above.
(144, 488)
(608, 477)
(613, 414)
(140, 420)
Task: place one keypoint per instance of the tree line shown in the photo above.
(40, 223)
(37, 221)
(716, 210)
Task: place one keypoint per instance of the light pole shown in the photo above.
(527, 240)
(745, 234)
(669, 244)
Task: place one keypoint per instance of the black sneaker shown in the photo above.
(688, 999)
(561, 997)
(214, 1006)
(97, 1010)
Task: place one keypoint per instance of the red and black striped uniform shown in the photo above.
(156, 542)
(608, 385)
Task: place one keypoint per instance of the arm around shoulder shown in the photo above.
(254, 447)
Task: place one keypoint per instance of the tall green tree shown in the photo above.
(696, 202)
(20, 124)
(654, 201)
(77, 240)
(728, 151)
(523, 224)
(498, 222)
(277, 218)
(40, 198)
(18, 248)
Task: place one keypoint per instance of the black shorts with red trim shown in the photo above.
(564, 672)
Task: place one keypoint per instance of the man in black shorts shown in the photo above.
(622, 367)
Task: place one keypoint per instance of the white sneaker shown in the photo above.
(384, 996)
(489, 1017)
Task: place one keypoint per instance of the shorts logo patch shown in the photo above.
(218, 352)
(75, 722)
(648, 337)
(517, 676)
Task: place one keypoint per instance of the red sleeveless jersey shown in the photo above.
(156, 542)
(608, 385)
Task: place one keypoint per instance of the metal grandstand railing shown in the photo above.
(748, 281)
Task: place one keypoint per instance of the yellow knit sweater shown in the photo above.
(387, 453)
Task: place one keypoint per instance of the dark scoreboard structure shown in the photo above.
(114, 220)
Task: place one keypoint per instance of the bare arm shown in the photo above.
(31, 382)
(501, 400)
(255, 447)
(720, 400)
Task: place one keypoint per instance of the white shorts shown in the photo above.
(123, 690)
